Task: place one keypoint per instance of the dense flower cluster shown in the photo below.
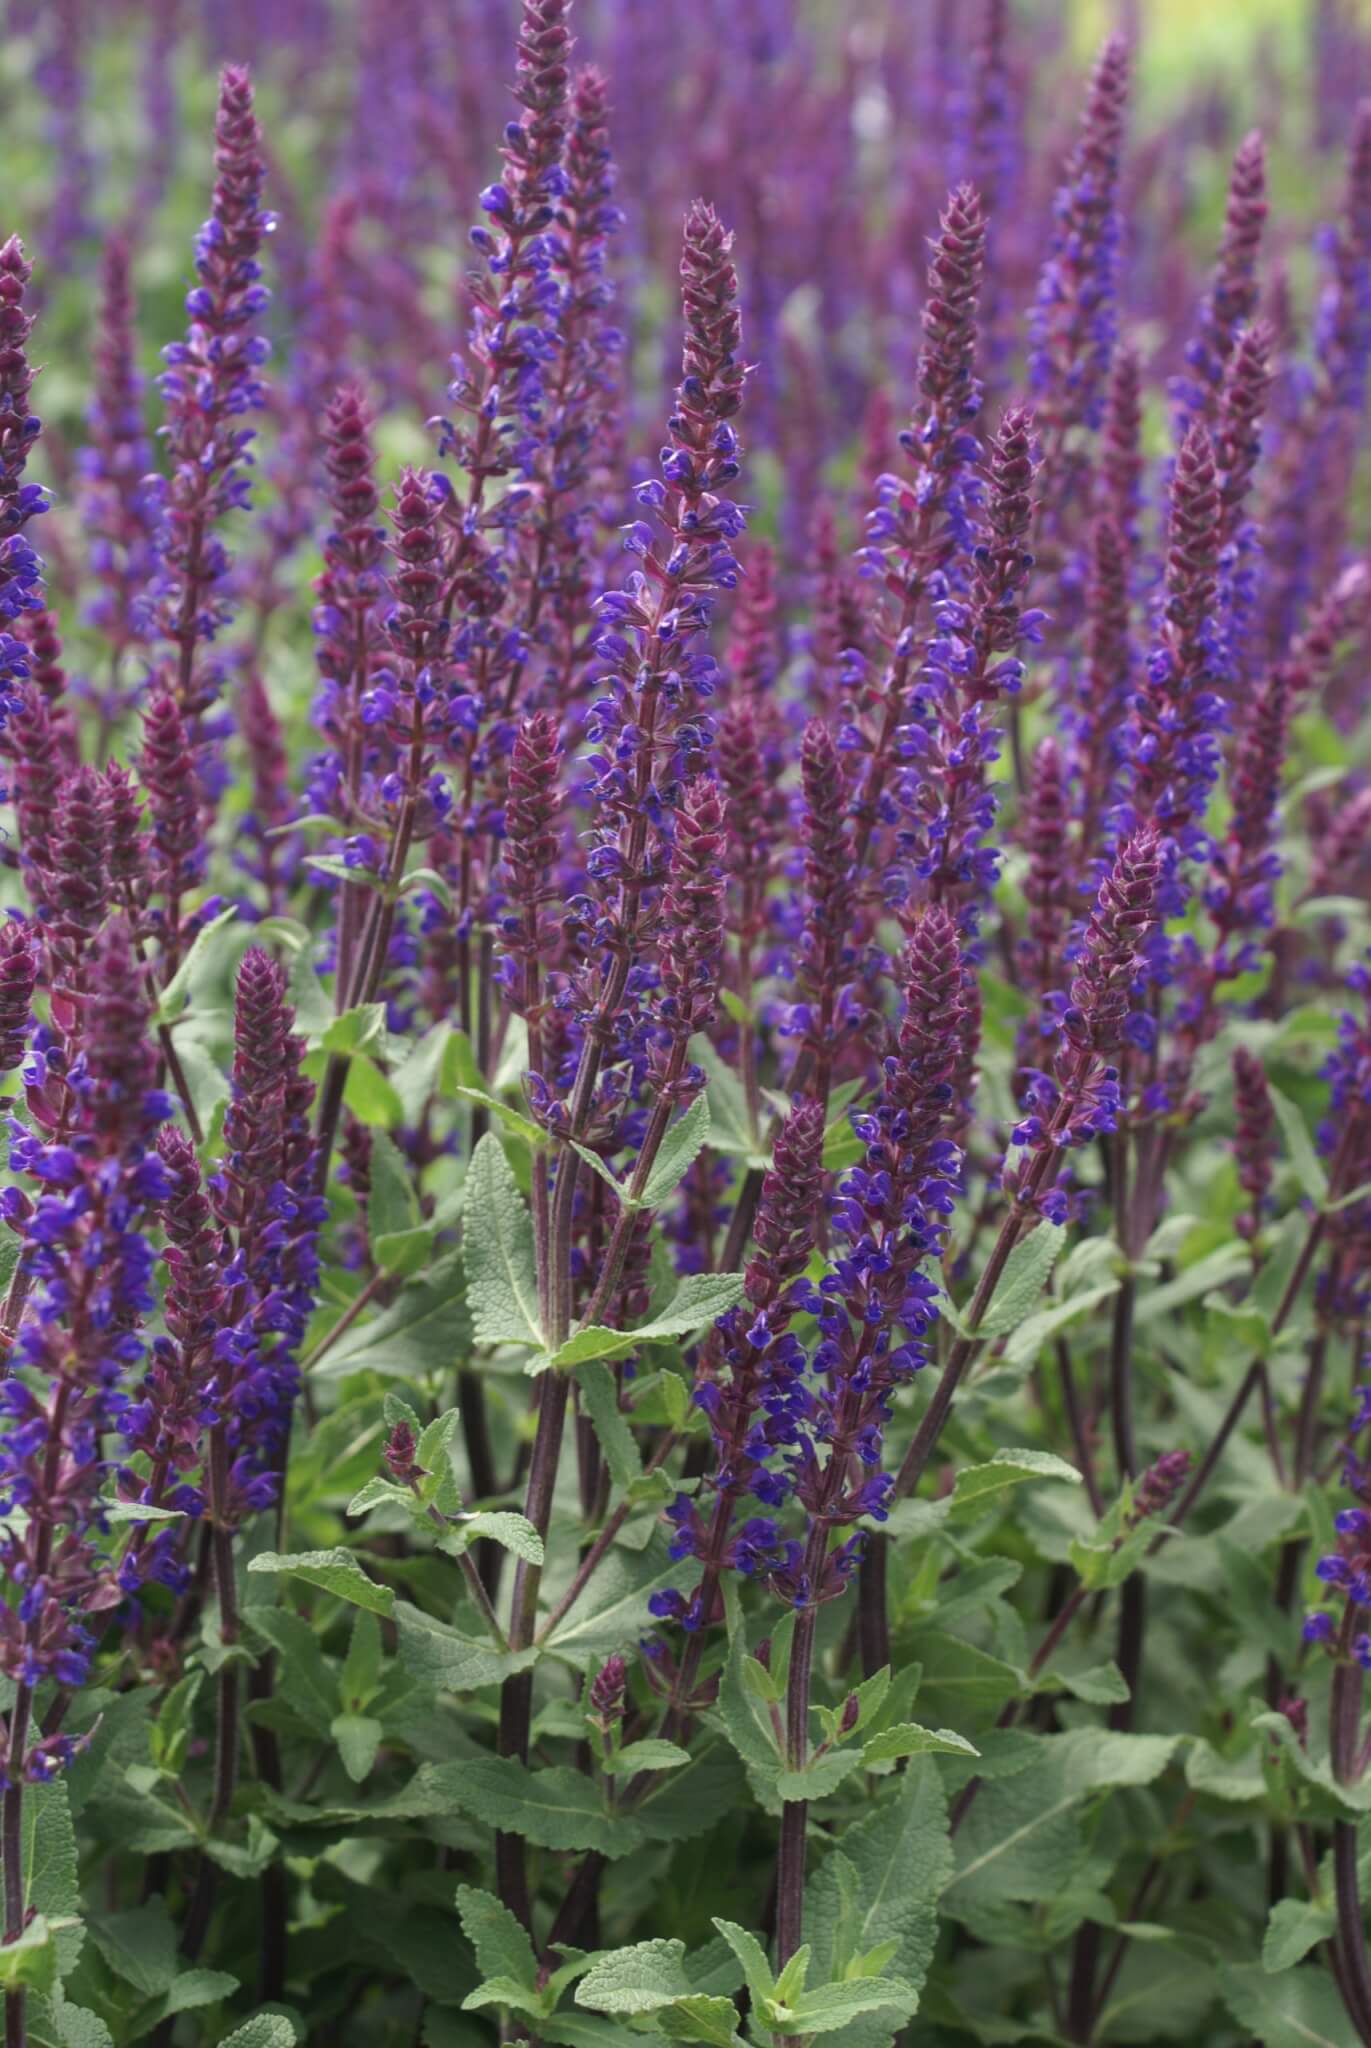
(755, 1029)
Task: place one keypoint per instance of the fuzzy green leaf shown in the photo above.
(907, 1738)
(502, 1946)
(426, 1329)
(684, 1141)
(332, 1571)
(700, 1299)
(502, 1285)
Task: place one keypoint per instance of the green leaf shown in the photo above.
(268, 2030)
(361, 1677)
(444, 1658)
(1023, 1345)
(830, 2006)
(187, 1992)
(333, 1571)
(425, 1330)
(750, 1953)
(684, 1141)
(1023, 1280)
(369, 1095)
(1294, 1927)
(51, 1884)
(120, 1511)
(139, 1946)
(334, 865)
(1221, 1266)
(599, 1394)
(1309, 1168)
(907, 1738)
(391, 1203)
(358, 1738)
(651, 1754)
(176, 994)
(513, 1119)
(612, 1612)
(713, 2021)
(1008, 1468)
(356, 1030)
(642, 1978)
(555, 1808)
(502, 1284)
(730, 1129)
(430, 879)
(56, 2023)
(881, 1887)
(418, 1077)
(31, 1959)
(700, 1299)
(1299, 2009)
(502, 1946)
(500, 1525)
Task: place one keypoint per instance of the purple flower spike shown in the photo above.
(21, 572)
(90, 1267)
(211, 384)
(1076, 313)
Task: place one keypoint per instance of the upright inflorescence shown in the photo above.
(176, 1405)
(1231, 300)
(745, 1379)
(1178, 710)
(530, 849)
(922, 524)
(118, 504)
(972, 664)
(652, 636)
(824, 957)
(90, 1265)
(263, 1194)
(351, 590)
(500, 391)
(21, 572)
(1077, 1097)
(1075, 317)
(212, 383)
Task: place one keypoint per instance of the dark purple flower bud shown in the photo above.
(18, 978)
(37, 749)
(400, 1455)
(1048, 885)
(1237, 427)
(1124, 912)
(1158, 1486)
(1106, 687)
(607, 1694)
(751, 839)
(1177, 716)
(948, 359)
(125, 837)
(692, 930)
(167, 769)
(824, 955)
(1255, 1121)
(788, 1210)
(77, 887)
(1121, 460)
(1232, 297)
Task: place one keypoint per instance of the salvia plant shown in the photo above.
(685, 1026)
